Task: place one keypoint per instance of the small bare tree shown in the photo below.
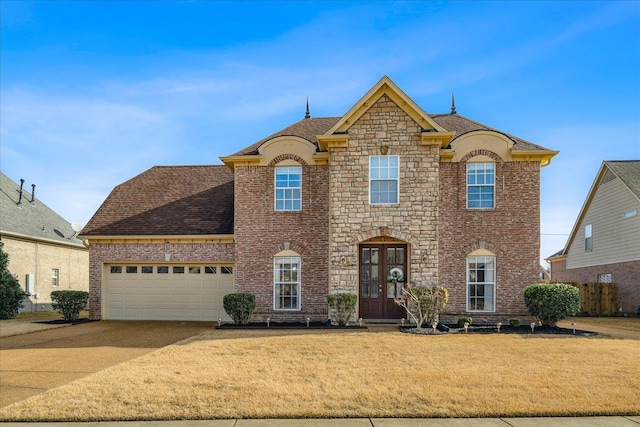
(423, 303)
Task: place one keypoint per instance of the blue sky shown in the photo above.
(94, 93)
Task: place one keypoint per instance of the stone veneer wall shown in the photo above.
(103, 253)
(626, 276)
(511, 231)
(261, 232)
(353, 220)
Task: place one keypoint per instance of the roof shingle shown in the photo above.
(168, 200)
(629, 172)
(35, 220)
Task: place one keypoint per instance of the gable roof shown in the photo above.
(310, 128)
(385, 87)
(168, 201)
(32, 219)
(627, 171)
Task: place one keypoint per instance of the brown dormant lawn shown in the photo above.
(296, 374)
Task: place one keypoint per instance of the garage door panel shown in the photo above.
(177, 293)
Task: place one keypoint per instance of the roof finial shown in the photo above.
(453, 104)
(307, 114)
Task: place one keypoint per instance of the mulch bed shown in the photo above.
(65, 322)
(504, 329)
(287, 325)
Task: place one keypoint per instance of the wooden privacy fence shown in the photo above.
(597, 299)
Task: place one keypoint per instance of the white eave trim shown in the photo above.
(200, 238)
(42, 240)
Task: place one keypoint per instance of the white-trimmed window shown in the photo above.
(286, 283)
(55, 277)
(588, 237)
(481, 178)
(288, 188)
(384, 180)
(481, 283)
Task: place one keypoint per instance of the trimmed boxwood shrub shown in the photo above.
(514, 322)
(69, 303)
(551, 302)
(344, 306)
(239, 307)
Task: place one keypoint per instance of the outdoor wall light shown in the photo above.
(344, 260)
(498, 325)
(424, 256)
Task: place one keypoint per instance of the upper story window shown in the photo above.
(588, 237)
(288, 188)
(481, 179)
(384, 179)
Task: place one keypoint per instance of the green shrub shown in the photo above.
(514, 322)
(552, 302)
(344, 306)
(239, 307)
(463, 320)
(11, 294)
(69, 303)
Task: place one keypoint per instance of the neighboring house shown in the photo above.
(545, 275)
(359, 203)
(604, 245)
(44, 251)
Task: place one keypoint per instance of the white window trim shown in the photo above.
(495, 296)
(493, 185)
(276, 188)
(588, 237)
(55, 277)
(298, 282)
(397, 202)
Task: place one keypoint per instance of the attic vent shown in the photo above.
(608, 176)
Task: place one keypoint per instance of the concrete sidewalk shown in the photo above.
(630, 421)
(9, 328)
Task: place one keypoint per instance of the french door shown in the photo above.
(382, 273)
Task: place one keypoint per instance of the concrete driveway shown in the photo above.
(34, 362)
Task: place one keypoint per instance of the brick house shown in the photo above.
(360, 203)
(44, 251)
(604, 244)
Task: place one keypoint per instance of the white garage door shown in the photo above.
(167, 292)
